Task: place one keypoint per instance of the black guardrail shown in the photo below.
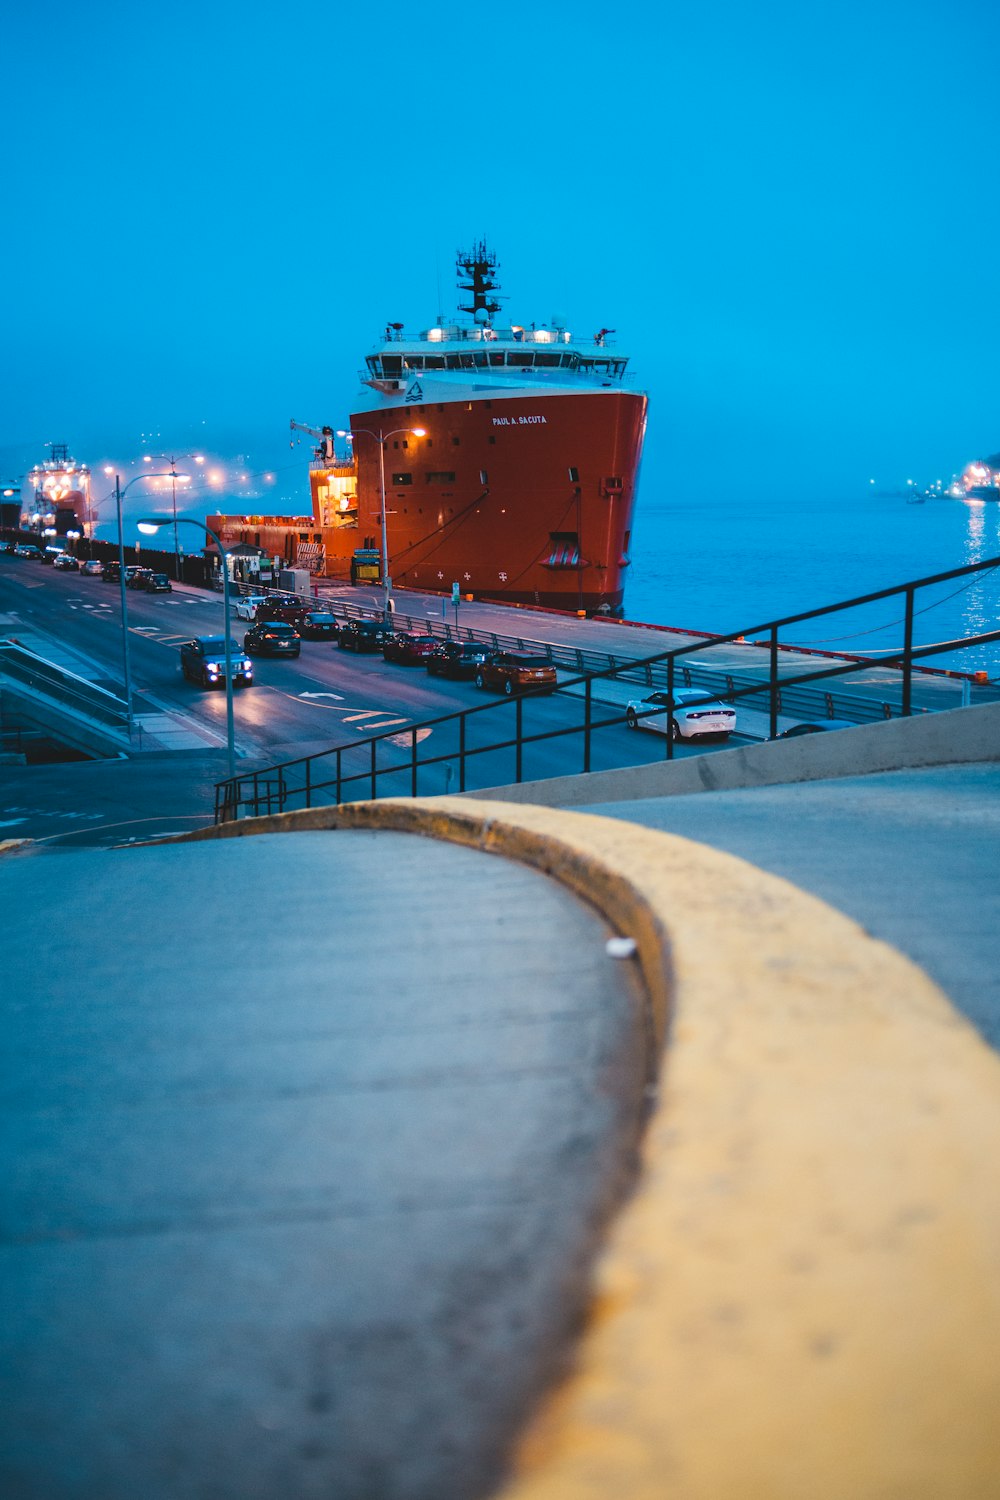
(355, 768)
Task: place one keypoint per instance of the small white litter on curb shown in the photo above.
(620, 947)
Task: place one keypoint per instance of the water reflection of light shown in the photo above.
(979, 611)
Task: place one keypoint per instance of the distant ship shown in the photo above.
(981, 480)
(55, 497)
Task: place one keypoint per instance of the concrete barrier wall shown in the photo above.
(959, 735)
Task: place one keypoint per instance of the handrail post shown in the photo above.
(772, 728)
(413, 761)
(670, 708)
(518, 729)
(374, 744)
(339, 778)
(907, 653)
(461, 754)
(586, 724)
(308, 781)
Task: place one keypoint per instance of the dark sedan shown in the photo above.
(204, 661)
(363, 635)
(459, 659)
(318, 625)
(153, 583)
(272, 638)
(292, 611)
(408, 650)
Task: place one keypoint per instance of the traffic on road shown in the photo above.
(318, 690)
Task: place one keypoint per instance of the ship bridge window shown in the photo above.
(547, 361)
(565, 551)
(496, 359)
(413, 362)
(392, 364)
(570, 361)
(374, 365)
(434, 362)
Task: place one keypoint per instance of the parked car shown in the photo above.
(7, 549)
(408, 650)
(363, 635)
(508, 672)
(272, 638)
(459, 659)
(65, 562)
(815, 726)
(203, 660)
(111, 573)
(153, 583)
(319, 625)
(27, 549)
(290, 609)
(705, 717)
(246, 606)
(134, 577)
(51, 553)
(92, 569)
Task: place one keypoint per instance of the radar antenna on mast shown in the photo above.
(481, 265)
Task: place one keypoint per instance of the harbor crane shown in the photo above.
(326, 451)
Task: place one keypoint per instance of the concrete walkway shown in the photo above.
(311, 1137)
(913, 856)
(307, 1145)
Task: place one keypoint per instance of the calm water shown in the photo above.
(725, 565)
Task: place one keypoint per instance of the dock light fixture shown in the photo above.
(381, 438)
(149, 526)
(175, 479)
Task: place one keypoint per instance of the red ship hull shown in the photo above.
(526, 499)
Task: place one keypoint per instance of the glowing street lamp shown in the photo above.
(381, 438)
(149, 526)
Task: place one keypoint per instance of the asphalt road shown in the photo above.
(326, 697)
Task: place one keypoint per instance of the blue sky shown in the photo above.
(789, 213)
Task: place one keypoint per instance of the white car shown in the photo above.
(704, 716)
(245, 607)
(92, 569)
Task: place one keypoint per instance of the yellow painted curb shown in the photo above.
(802, 1300)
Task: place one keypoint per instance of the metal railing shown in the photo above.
(457, 739)
(62, 687)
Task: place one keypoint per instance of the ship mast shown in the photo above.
(481, 265)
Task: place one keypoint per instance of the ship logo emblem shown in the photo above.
(415, 392)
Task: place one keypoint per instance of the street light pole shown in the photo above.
(152, 524)
(119, 497)
(173, 476)
(121, 583)
(382, 438)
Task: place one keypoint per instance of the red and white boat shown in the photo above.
(521, 483)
